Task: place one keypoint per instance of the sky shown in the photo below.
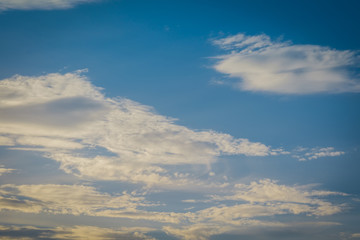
(170, 120)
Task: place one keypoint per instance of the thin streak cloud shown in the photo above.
(40, 4)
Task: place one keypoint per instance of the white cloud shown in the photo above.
(266, 197)
(4, 170)
(260, 64)
(94, 137)
(323, 152)
(40, 4)
(316, 153)
(258, 199)
(66, 117)
(79, 200)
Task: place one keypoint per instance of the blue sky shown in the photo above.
(179, 119)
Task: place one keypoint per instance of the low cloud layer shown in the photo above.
(259, 64)
(40, 4)
(240, 207)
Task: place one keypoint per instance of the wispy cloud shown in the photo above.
(41, 4)
(4, 170)
(260, 64)
(304, 154)
(264, 198)
(78, 200)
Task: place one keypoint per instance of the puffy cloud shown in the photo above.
(263, 65)
(67, 118)
(40, 4)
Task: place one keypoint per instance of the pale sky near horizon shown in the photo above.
(196, 120)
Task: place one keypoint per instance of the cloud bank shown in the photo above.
(259, 64)
(40, 4)
(240, 207)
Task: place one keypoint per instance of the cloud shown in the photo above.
(261, 65)
(93, 137)
(267, 195)
(75, 232)
(258, 199)
(68, 118)
(79, 200)
(316, 153)
(235, 212)
(267, 198)
(40, 4)
(6, 141)
(5, 170)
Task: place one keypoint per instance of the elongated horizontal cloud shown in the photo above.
(69, 119)
(304, 154)
(294, 199)
(259, 64)
(40, 4)
(4, 170)
(195, 232)
(257, 199)
(79, 200)
(75, 232)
